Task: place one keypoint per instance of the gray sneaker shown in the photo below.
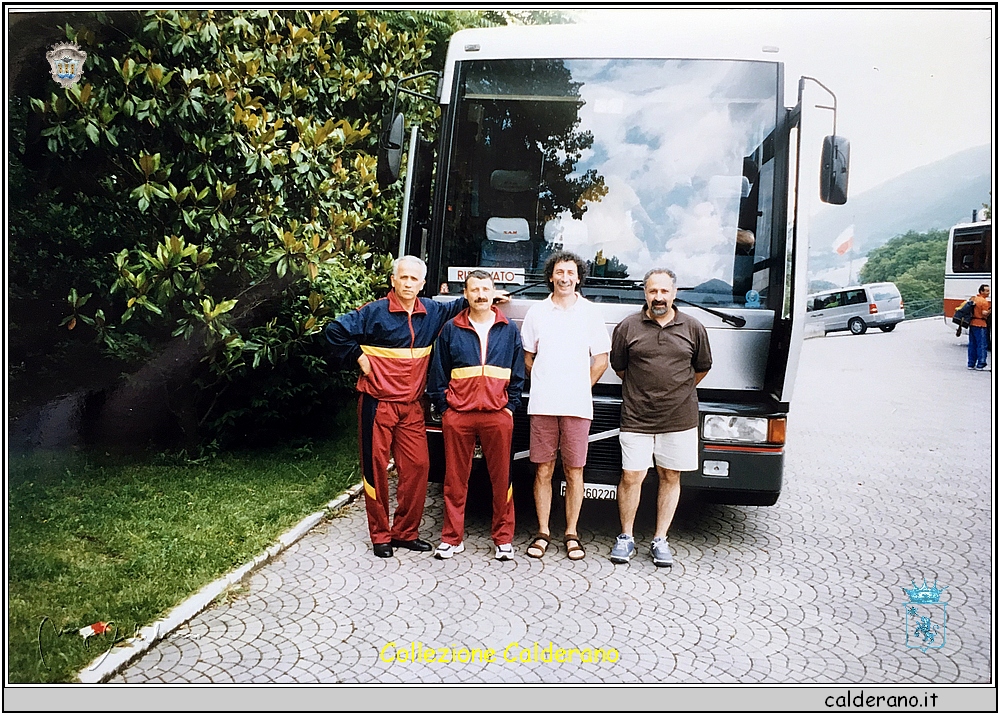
(661, 552)
(623, 550)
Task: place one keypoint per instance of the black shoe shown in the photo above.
(383, 551)
(412, 544)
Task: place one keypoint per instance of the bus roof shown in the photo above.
(683, 40)
(972, 224)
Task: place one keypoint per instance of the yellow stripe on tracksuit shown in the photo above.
(405, 353)
(460, 373)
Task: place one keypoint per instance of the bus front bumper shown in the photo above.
(727, 474)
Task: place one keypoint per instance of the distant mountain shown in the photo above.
(935, 196)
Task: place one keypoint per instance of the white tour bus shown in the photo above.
(967, 265)
(634, 150)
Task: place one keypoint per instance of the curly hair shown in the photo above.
(563, 257)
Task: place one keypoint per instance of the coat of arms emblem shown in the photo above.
(66, 63)
(926, 616)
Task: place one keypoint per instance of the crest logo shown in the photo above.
(926, 616)
(66, 63)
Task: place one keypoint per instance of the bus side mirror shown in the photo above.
(390, 151)
(834, 170)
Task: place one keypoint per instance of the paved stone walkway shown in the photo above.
(884, 484)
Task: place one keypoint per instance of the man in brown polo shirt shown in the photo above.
(661, 355)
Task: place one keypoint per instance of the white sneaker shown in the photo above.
(446, 551)
(505, 552)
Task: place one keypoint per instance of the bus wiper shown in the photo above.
(533, 284)
(735, 320)
(631, 283)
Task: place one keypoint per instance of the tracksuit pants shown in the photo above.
(393, 429)
(494, 430)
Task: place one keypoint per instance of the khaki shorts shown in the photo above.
(670, 450)
(564, 435)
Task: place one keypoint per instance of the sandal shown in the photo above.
(575, 551)
(538, 545)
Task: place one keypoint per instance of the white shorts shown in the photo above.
(671, 450)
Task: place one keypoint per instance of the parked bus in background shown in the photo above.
(968, 263)
(634, 149)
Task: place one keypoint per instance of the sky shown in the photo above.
(913, 85)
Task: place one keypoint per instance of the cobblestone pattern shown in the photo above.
(883, 484)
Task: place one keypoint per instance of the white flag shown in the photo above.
(844, 241)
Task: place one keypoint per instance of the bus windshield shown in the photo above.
(630, 163)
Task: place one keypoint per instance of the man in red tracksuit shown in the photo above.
(391, 339)
(475, 381)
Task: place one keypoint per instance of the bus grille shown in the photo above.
(604, 455)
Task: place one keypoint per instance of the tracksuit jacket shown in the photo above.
(458, 378)
(397, 345)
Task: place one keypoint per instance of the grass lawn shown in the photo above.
(95, 539)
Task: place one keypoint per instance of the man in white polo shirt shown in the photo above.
(566, 346)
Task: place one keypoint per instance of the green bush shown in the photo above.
(212, 179)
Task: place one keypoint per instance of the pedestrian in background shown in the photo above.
(978, 338)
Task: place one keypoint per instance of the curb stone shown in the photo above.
(111, 663)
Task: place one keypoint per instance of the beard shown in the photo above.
(659, 308)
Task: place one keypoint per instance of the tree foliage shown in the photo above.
(214, 174)
(817, 286)
(914, 262)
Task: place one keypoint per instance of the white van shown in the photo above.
(856, 308)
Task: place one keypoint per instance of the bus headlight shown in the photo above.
(729, 428)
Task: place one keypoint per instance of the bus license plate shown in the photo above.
(594, 491)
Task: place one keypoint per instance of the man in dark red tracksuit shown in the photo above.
(475, 380)
(391, 339)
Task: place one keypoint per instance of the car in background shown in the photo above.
(855, 308)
